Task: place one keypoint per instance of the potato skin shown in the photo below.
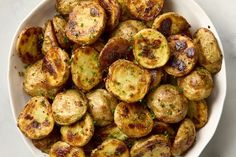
(156, 75)
(36, 120)
(29, 44)
(197, 85)
(168, 104)
(65, 7)
(210, 55)
(127, 81)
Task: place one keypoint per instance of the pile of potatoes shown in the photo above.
(116, 78)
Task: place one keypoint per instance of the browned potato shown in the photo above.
(154, 146)
(86, 23)
(133, 119)
(170, 23)
(36, 120)
(145, 10)
(210, 55)
(98, 45)
(168, 104)
(116, 48)
(125, 14)
(151, 49)
(65, 7)
(197, 85)
(183, 56)
(156, 75)
(29, 44)
(184, 139)
(127, 81)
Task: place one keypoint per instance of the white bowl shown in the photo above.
(188, 8)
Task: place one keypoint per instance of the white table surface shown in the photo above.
(223, 15)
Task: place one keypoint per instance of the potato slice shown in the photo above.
(35, 83)
(98, 45)
(127, 81)
(29, 44)
(168, 104)
(127, 29)
(116, 48)
(85, 68)
(133, 119)
(56, 67)
(198, 113)
(36, 120)
(62, 149)
(185, 138)
(157, 145)
(86, 23)
(210, 55)
(80, 133)
(145, 10)
(170, 23)
(197, 85)
(65, 7)
(156, 76)
(151, 49)
(111, 147)
(184, 56)
(69, 106)
(125, 14)
(50, 39)
(113, 11)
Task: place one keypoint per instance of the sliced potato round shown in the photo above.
(65, 7)
(133, 119)
(101, 104)
(56, 67)
(170, 23)
(197, 85)
(86, 23)
(145, 10)
(164, 129)
(198, 113)
(125, 14)
(127, 29)
(80, 133)
(127, 81)
(168, 104)
(111, 147)
(183, 56)
(157, 145)
(35, 83)
(69, 106)
(36, 120)
(151, 49)
(156, 76)
(29, 44)
(185, 138)
(85, 68)
(116, 48)
(210, 55)
(62, 149)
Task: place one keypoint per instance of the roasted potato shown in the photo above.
(98, 45)
(151, 49)
(116, 48)
(49, 40)
(197, 85)
(62, 149)
(85, 68)
(29, 44)
(157, 145)
(170, 23)
(127, 29)
(125, 14)
(133, 119)
(86, 23)
(210, 55)
(185, 138)
(184, 56)
(156, 76)
(35, 83)
(79, 133)
(36, 120)
(101, 104)
(111, 148)
(127, 81)
(168, 104)
(56, 67)
(65, 7)
(145, 10)
(69, 107)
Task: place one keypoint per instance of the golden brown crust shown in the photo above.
(65, 7)
(156, 77)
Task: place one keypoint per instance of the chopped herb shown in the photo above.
(113, 111)
(130, 48)
(81, 25)
(66, 40)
